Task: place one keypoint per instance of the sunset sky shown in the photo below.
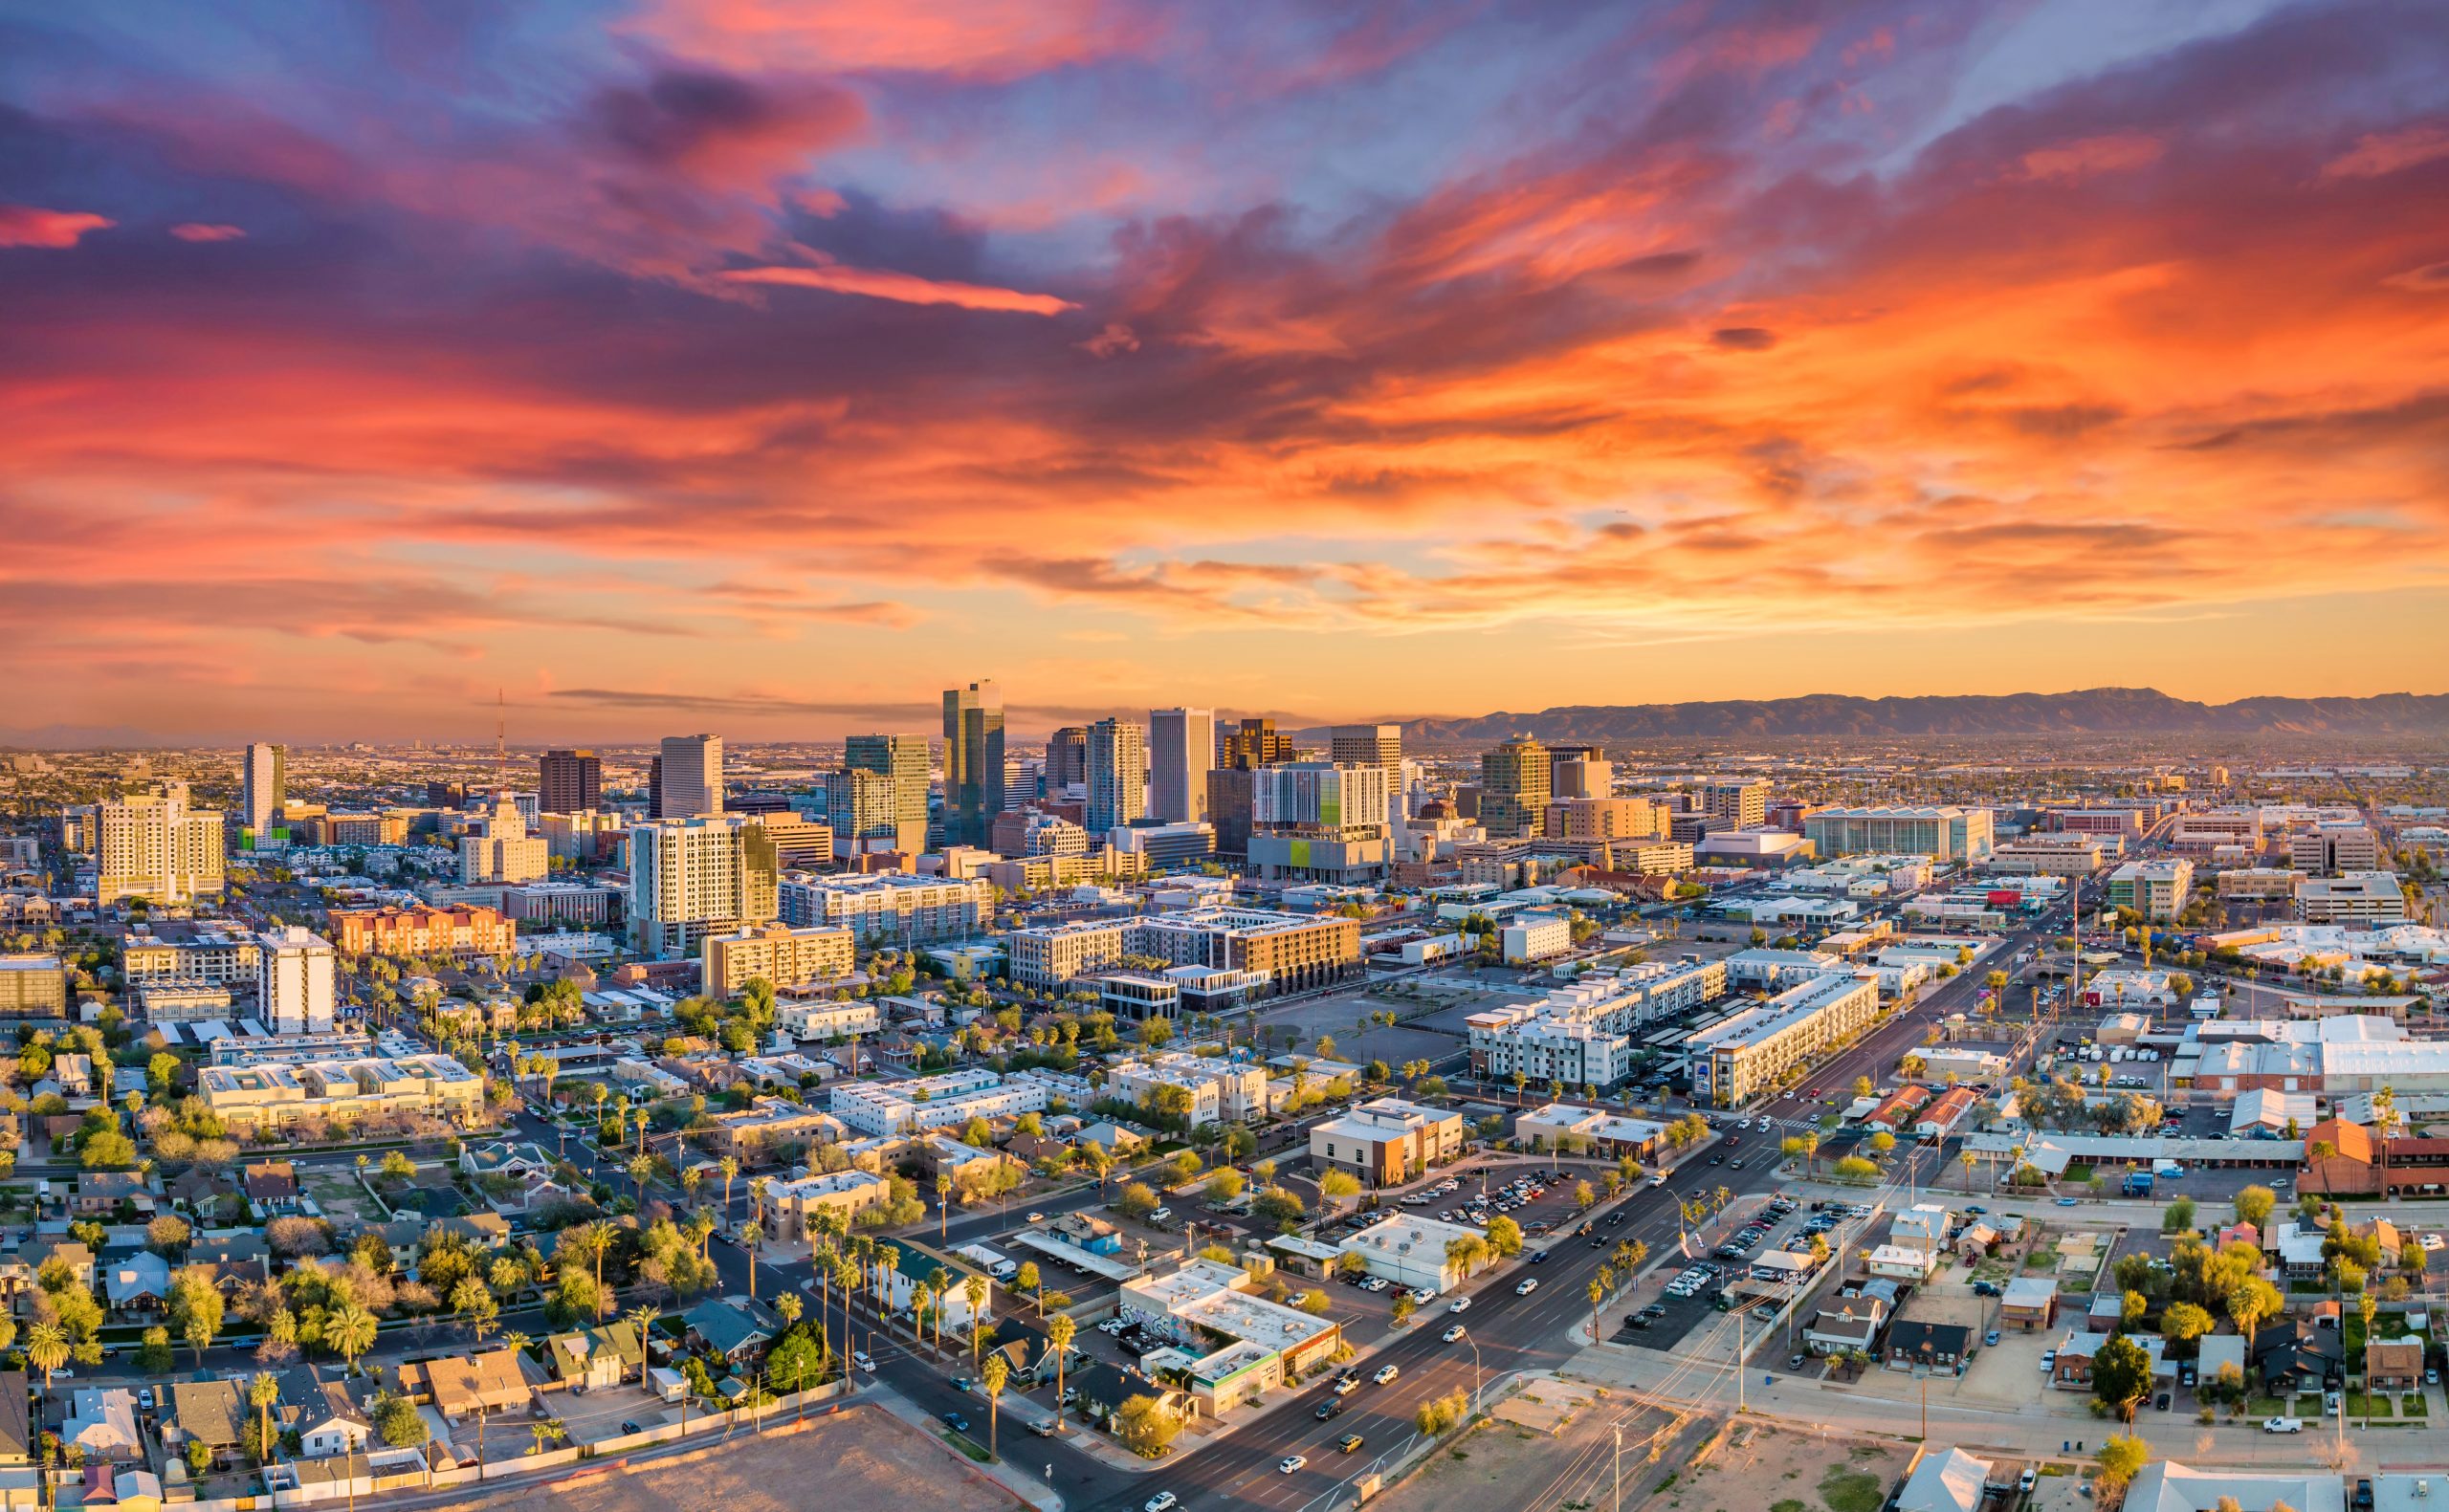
(766, 366)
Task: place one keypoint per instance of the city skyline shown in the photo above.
(685, 364)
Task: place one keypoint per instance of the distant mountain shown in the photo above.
(2093, 710)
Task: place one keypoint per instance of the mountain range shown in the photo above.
(2090, 711)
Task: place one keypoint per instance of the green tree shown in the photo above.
(997, 1375)
(350, 1331)
(2121, 1375)
(196, 1309)
(2254, 1205)
(1143, 1426)
(2123, 1456)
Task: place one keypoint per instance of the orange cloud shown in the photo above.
(32, 226)
(2387, 152)
(2066, 162)
(992, 38)
(201, 231)
(883, 283)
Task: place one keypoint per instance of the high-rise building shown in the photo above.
(1578, 771)
(973, 761)
(1254, 743)
(1067, 759)
(1320, 821)
(860, 804)
(499, 848)
(1514, 788)
(154, 847)
(1742, 801)
(690, 878)
(901, 759)
(569, 781)
(1380, 746)
(296, 974)
(263, 782)
(689, 777)
(1181, 750)
(1117, 773)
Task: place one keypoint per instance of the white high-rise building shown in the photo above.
(1117, 773)
(499, 849)
(295, 980)
(264, 781)
(154, 847)
(690, 878)
(1373, 745)
(1181, 750)
(689, 777)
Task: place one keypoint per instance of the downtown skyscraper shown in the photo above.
(568, 782)
(263, 781)
(901, 759)
(689, 777)
(1181, 750)
(973, 761)
(1117, 776)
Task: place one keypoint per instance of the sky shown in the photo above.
(768, 366)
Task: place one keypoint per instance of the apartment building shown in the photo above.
(2336, 848)
(1181, 750)
(295, 980)
(1295, 951)
(462, 930)
(845, 1194)
(2157, 890)
(2360, 897)
(1220, 1091)
(822, 1019)
(890, 906)
(155, 848)
(896, 817)
(1037, 873)
(1029, 832)
(785, 957)
(1320, 821)
(1048, 957)
(1529, 938)
(1945, 832)
(215, 954)
(1583, 1032)
(1601, 818)
(32, 987)
(935, 1102)
(1514, 787)
(1743, 802)
(1754, 1051)
(250, 1097)
(263, 784)
(698, 876)
(2054, 853)
(498, 848)
(2262, 883)
(1386, 1141)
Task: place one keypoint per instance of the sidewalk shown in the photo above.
(1028, 1487)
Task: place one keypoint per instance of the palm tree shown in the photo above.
(639, 1167)
(998, 1372)
(942, 1280)
(46, 1350)
(547, 1433)
(1059, 1331)
(846, 1275)
(2370, 1307)
(750, 1235)
(592, 1239)
(943, 1204)
(1597, 1291)
(729, 1166)
(261, 1392)
(350, 1331)
(699, 1231)
(973, 1291)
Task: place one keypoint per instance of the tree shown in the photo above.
(2121, 1375)
(1338, 1186)
(973, 1291)
(2253, 1302)
(2179, 1217)
(1143, 1426)
(349, 1332)
(1504, 1236)
(2183, 1322)
(261, 1392)
(1224, 1186)
(1597, 1291)
(1583, 1194)
(196, 1309)
(2123, 1455)
(1135, 1201)
(997, 1375)
(2254, 1205)
(46, 1350)
(1404, 1307)
(1059, 1333)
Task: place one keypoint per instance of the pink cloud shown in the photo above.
(33, 226)
(205, 231)
(883, 283)
(2388, 151)
(2066, 162)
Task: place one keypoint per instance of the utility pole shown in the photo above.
(1619, 1464)
(1742, 1362)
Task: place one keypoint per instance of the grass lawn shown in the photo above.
(2308, 1403)
(2267, 1407)
(2078, 1173)
(2358, 1405)
(2414, 1405)
(1851, 1490)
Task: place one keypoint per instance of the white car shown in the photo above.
(1039, 1217)
(1461, 1304)
(1529, 1286)
(1162, 1501)
(864, 1361)
(1453, 1333)
(2283, 1424)
(1386, 1375)
(1291, 1463)
(1424, 1294)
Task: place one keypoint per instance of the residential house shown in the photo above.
(1944, 1481)
(461, 1386)
(2394, 1365)
(2072, 1371)
(2168, 1487)
(732, 1327)
(1940, 1345)
(140, 1283)
(326, 1418)
(2215, 1352)
(100, 1191)
(1976, 1242)
(2030, 1302)
(102, 1424)
(1901, 1263)
(2299, 1248)
(16, 1429)
(588, 1358)
(1848, 1323)
(213, 1414)
(270, 1185)
(520, 1159)
(2292, 1354)
(79, 1260)
(1922, 1227)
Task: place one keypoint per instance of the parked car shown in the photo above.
(1990, 1340)
(2283, 1424)
(956, 1422)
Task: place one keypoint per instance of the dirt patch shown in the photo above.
(1502, 1465)
(872, 1462)
(1758, 1466)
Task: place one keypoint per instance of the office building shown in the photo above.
(1946, 833)
(1067, 760)
(1118, 775)
(1181, 750)
(1602, 818)
(1534, 936)
(1386, 1141)
(891, 907)
(785, 957)
(2051, 854)
(569, 783)
(1743, 802)
(692, 877)
(1578, 771)
(1294, 951)
(689, 777)
(1048, 957)
(1320, 821)
(2157, 890)
(973, 761)
(498, 848)
(1252, 743)
(263, 782)
(462, 929)
(863, 807)
(2335, 848)
(1368, 745)
(1027, 832)
(155, 848)
(1758, 1049)
(1163, 845)
(297, 981)
(903, 760)
(1514, 788)
(2360, 897)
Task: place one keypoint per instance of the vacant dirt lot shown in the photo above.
(1760, 1468)
(865, 1461)
(1503, 1464)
